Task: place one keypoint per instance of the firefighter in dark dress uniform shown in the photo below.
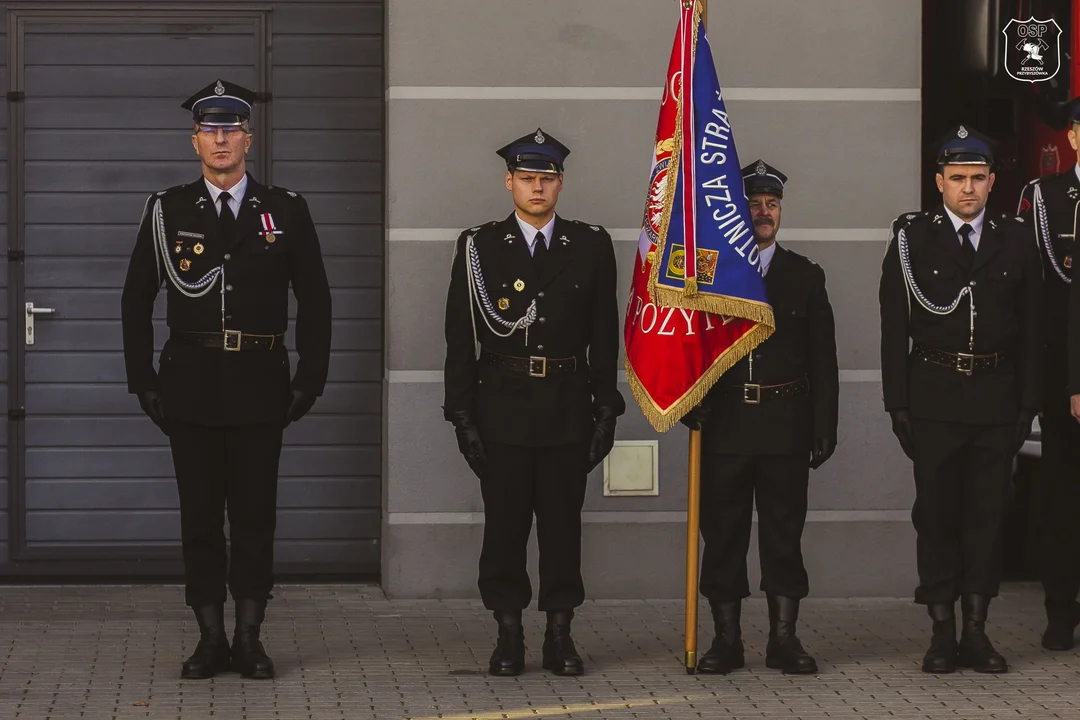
(766, 423)
(226, 250)
(1052, 204)
(965, 287)
(532, 350)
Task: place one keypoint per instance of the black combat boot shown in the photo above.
(508, 657)
(941, 657)
(975, 650)
(211, 655)
(784, 651)
(726, 652)
(249, 657)
(560, 655)
(1061, 622)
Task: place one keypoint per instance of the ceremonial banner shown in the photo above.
(688, 322)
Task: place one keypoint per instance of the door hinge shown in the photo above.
(16, 95)
(16, 413)
(16, 255)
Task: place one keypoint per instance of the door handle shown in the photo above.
(31, 311)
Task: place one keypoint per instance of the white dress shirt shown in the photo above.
(236, 192)
(529, 232)
(765, 258)
(976, 225)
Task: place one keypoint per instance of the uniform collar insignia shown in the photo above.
(201, 200)
(992, 224)
(937, 219)
(509, 236)
(564, 239)
(254, 200)
(1073, 192)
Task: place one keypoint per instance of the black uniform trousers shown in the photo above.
(1058, 498)
(233, 467)
(962, 475)
(729, 485)
(518, 482)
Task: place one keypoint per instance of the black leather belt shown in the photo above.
(230, 340)
(534, 366)
(754, 394)
(961, 362)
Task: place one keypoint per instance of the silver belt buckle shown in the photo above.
(535, 362)
(960, 363)
(232, 340)
(751, 399)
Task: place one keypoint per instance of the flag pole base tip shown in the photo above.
(690, 661)
(691, 671)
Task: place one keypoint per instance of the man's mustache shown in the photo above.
(764, 221)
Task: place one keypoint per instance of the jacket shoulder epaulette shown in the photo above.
(594, 228)
(906, 220)
(174, 189)
(477, 230)
(278, 190)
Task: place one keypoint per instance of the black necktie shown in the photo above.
(540, 250)
(966, 244)
(226, 217)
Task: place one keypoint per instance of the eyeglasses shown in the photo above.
(229, 130)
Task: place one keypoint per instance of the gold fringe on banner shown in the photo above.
(753, 310)
(662, 420)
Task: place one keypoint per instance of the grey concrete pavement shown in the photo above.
(346, 652)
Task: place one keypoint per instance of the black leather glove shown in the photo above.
(603, 438)
(822, 451)
(901, 427)
(299, 405)
(468, 441)
(1023, 428)
(150, 402)
(696, 417)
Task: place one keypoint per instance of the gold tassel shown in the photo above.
(690, 287)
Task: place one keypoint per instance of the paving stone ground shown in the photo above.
(346, 652)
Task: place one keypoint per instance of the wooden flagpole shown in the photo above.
(693, 509)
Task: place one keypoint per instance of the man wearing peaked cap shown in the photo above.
(221, 103)
(961, 358)
(761, 177)
(766, 423)
(536, 411)
(537, 152)
(1051, 203)
(227, 249)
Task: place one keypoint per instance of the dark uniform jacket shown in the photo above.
(212, 386)
(802, 346)
(577, 316)
(1006, 278)
(1061, 197)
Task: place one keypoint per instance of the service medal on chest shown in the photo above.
(270, 230)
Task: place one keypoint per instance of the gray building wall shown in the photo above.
(826, 90)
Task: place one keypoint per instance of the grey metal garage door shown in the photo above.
(97, 126)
